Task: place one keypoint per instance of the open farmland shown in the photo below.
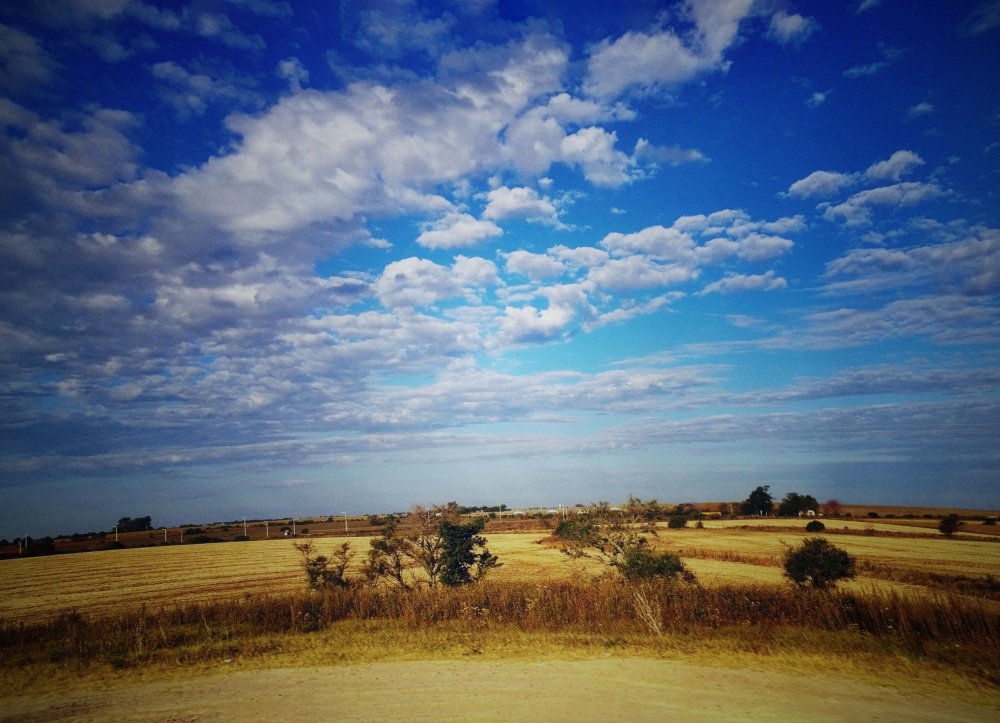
(724, 552)
(216, 621)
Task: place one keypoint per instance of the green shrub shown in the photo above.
(576, 530)
(950, 524)
(677, 522)
(815, 526)
(640, 563)
(818, 564)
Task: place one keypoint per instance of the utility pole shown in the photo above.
(345, 522)
(244, 526)
(267, 530)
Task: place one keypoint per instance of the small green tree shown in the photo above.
(818, 564)
(815, 526)
(458, 552)
(677, 522)
(950, 524)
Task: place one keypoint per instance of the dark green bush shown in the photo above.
(818, 564)
(815, 526)
(677, 522)
(640, 563)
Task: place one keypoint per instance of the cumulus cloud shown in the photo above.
(534, 266)
(791, 28)
(519, 203)
(190, 93)
(895, 167)
(25, 66)
(669, 155)
(740, 282)
(416, 282)
(856, 210)
(456, 230)
(640, 272)
(820, 184)
(650, 61)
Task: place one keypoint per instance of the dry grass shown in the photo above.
(925, 600)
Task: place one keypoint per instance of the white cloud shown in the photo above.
(739, 282)
(96, 152)
(791, 27)
(456, 230)
(818, 98)
(534, 266)
(655, 241)
(920, 109)
(856, 210)
(820, 184)
(593, 149)
(328, 157)
(670, 155)
(661, 58)
(416, 282)
(218, 26)
(523, 203)
(580, 256)
(640, 272)
(24, 64)
(860, 71)
(190, 93)
(895, 167)
(292, 70)
(969, 264)
(868, 5)
(758, 247)
(985, 17)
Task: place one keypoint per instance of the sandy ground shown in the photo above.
(600, 689)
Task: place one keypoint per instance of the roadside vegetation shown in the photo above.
(424, 584)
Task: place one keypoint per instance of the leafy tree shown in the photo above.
(950, 524)
(794, 504)
(677, 522)
(438, 544)
(815, 526)
(818, 563)
(458, 552)
(760, 502)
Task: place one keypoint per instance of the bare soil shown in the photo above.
(595, 689)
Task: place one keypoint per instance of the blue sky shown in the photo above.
(273, 259)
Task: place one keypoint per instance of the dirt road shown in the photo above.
(602, 689)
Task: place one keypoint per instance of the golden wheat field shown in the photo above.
(96, 583)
